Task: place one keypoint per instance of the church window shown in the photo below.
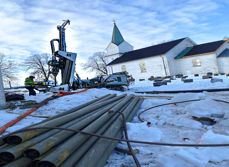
(123, 68)
(142, 67)
(196, 63)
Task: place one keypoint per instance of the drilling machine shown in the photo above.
(63, 60)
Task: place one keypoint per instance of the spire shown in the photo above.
(116, 36)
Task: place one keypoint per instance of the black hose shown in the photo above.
(117, 139)
(139, 115)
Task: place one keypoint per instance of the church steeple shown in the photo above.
(116, 36)
(117, 47)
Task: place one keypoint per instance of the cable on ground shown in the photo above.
(139, 115)
(124, 140)
(127, 138)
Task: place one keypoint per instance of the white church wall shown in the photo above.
(125, 47)
(112, 52)
(208, 64)
(112, 49)
(223, 64)
(174, 52)
(154, 67)
(222, 48)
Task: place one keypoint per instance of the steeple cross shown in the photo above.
(114, 21)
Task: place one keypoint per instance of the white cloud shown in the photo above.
(28, 26)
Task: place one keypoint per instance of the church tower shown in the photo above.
(118, 46)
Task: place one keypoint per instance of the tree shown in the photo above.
(9, 69)
(2, 94)
(38, 64)
(97, 63)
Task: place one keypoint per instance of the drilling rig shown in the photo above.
(65, 62)
(62, 60)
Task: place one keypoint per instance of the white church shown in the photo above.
(181, 56)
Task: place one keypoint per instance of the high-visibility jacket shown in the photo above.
(29, 82)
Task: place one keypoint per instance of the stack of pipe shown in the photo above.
(60, 148)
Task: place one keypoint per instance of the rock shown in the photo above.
(13, 97)
(204, 120)
(179, 75)
(206, 77)
(216, 74)
(187, 80)
(159, 83)
(196, 75)
(213, 80)
(158, 79)
(141, 79)
(165, 82)
(184, 77)
(151, 78)
(209, 74)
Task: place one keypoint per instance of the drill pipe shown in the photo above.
(102, 161)
(57, 157)
(21, 162)
(36, 161)
(62, 114)
(75, 109)
(136, 108)
(86, 146)
(2, 162)
(10, 154)
(106, 97)
(97, 150)
(1, 142)
(42, 147)
(3, 146)
(108, 151)
(23, 136)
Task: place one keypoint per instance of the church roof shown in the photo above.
(200, 49)
(151, 51)
(116, 36)
(225, 53)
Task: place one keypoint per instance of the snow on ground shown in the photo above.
(171, 124)
(52, 108)
(198, 83)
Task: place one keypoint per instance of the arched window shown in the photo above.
(123, 68)
(142, 67)
(196, 63)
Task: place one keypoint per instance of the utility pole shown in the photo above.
(2, 94)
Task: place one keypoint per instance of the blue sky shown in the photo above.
(27, 26)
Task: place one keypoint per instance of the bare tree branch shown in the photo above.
(97, 63)
(38, 64)
(9, 69)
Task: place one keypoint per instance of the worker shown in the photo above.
(29, 84)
